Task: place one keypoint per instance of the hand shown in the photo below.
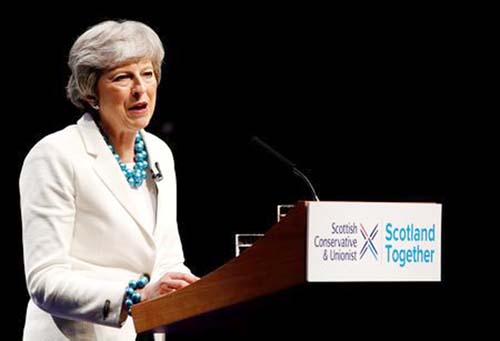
(169, 283)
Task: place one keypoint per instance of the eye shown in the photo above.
(121, 78)
(148, 74)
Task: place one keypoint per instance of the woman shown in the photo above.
(93, 216)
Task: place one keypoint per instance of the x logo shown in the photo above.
(368, 245)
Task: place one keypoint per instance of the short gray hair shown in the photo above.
(105, 46)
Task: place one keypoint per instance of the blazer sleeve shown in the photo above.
(48, 212)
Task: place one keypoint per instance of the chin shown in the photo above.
(141, 122)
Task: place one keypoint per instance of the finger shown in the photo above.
(184, 276)
(177, 284)
(165, 288)
(172, 285)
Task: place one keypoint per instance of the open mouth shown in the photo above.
(139, 106)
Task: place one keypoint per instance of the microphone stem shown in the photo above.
(309, 184)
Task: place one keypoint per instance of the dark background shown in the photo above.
(366, 102)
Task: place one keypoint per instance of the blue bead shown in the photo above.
(139, 146)
(141, 282)
(136, 297)
(132, 284)
(128, 303)
(129, 291)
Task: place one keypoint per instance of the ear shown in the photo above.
(93, 101)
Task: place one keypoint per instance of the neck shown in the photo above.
(124, 146)
(122, 141)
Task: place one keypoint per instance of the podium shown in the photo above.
(281, 259)
(274, 263)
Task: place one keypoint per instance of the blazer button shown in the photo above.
(105, 310)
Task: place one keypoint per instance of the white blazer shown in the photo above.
(84, 238)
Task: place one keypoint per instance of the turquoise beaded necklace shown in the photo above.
(136, 176)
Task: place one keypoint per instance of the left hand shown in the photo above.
(169, 283)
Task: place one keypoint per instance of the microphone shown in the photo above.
(158, 176)
(257, 141)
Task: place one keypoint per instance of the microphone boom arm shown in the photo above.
(287, 162)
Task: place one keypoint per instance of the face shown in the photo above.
(127, 96)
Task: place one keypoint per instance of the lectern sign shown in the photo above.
(362, 241)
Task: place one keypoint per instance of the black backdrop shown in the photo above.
(363, 100)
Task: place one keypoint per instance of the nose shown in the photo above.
(138, 89)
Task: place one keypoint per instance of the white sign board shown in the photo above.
(363, 241)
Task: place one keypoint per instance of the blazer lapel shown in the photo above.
(108, 170)
(151, 159)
